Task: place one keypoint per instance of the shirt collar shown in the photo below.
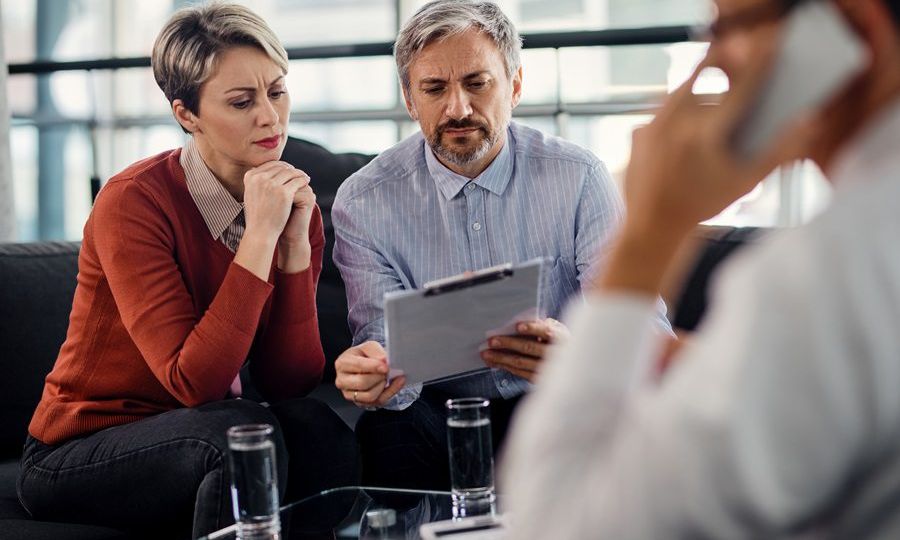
(494, 179)
(218, 208)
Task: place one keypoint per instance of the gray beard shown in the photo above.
(464, 158)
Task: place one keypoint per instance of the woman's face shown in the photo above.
(243, 112)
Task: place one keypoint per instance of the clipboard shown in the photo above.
(436, 333)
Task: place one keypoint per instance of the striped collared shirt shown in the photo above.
(405, 219)
(222, 213)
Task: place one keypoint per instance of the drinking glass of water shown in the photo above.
(254, 488)
(471, 456)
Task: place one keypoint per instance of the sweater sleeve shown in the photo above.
(195, 359)
(288, 361)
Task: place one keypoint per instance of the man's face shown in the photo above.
(743, 28)
(463, 99)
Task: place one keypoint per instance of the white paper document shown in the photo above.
(437, 332)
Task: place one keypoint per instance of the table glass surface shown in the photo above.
(341, 513)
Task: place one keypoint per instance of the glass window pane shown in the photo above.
(545, 124)
(71, 30)
(634, 73)
(23, 145)
(608, 137)
(119, 148)
(296, 22)
(635, 13)
(136, 93)
(815, 191)
(21, 94)
(544, 16)
(322, 22)
(759, 208)
(68, 193)
(539, 76)
(368, 137)
(137, 23)
(407, 128)
(18, 31)
(134, 24)
(343, 83)
(79, 168)
(72, 94)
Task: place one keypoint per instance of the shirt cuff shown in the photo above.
(614, 337)
(404, 398)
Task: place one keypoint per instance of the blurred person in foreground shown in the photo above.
(194, 262)
(471, 190)
(781, 416)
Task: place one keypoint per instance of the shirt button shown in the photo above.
(504, 383)
(476, 226)
(470, 187)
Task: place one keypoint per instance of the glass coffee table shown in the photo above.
(358, 512)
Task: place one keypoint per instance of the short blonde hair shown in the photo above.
(186, 50)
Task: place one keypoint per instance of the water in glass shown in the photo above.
(471, 457)
(254, 489)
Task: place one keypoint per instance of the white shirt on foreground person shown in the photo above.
(779, 418)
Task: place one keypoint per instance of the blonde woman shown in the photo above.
(194, 262)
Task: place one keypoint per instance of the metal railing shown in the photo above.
(658, 35)
(558, 109)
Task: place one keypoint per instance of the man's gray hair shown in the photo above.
(441, 19)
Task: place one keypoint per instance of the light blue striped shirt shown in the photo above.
(405, 219)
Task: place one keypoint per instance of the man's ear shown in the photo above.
(410, 106)
(517, 87)
(185, 117)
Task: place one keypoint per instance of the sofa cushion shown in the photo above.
(37, 282)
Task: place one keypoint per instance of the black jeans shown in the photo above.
(408, 448)
(169, 472)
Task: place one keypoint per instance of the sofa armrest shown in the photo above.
(37, 283)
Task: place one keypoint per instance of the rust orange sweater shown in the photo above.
(162, 318)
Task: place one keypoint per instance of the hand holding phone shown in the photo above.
(818, 56)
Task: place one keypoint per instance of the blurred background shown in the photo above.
(71, 125)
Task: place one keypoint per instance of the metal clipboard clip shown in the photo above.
(464, 281)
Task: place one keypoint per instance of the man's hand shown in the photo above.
(683, 170)
(362, 375)
(521, 354)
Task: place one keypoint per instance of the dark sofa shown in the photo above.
(37, 282)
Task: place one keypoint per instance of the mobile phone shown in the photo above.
(819, 55)
(491, 527)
